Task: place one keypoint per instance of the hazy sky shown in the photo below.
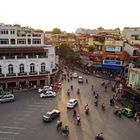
(68, 15)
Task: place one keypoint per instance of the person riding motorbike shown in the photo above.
(87, 81)
(58, 124)
(68, 92)
(99, 137)
(78, 119)
(86, 109)
(78, 91)
(96, 102)
(71, 87)
(103, 106)
(74, 113)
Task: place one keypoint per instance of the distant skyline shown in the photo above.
(68, 15)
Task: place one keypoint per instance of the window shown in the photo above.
(32, 67)
(4, 32)
(12, 32)
(43, 67)
(133, 77)
(10, 68)
(29, 41)
(21, 68)
(12, 41)
(21, 41)
(4, 41)
(36, 41)
(0, 69)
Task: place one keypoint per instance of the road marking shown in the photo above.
(12, 127)
(8, 132)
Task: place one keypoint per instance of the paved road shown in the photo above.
(22, 119)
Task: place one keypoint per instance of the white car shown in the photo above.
(45, 88)
(48, 93)
(80, 79)
(72, 103)
(75, 75)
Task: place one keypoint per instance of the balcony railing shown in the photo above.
(11, 74)
(44, 72)
(22, 74)
(1, 75)
(33, 73)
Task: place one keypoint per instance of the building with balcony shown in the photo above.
(24, 59)
(132, 35)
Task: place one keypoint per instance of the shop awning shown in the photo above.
(112, 67)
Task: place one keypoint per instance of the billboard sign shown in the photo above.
(113, 49)
(112, 62)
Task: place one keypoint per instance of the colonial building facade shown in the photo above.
(25, 60)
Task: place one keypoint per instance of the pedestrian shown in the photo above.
(94, 93)
(105, 87)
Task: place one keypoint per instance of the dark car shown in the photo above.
(49, 116)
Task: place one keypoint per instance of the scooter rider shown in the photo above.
(68, 92)
(86, 109)
(103, 106)
(58, 124)
(78, 91)
(74, 113)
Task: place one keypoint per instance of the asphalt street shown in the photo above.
(22, 119)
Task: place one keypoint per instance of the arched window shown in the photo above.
(0, 69)
(10, 68)
(43, 67)
(21, 68)
(32, 67)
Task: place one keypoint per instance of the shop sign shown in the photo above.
(114, 49)
(112, 62)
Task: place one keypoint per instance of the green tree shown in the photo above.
(56, 31)
(66, 53)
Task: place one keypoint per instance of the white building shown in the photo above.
(24, 59)
(134, 78)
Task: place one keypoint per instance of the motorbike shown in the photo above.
(59, 125)
(86, 110)
(78, 120)
(96, 103)
(99, 138)
(71, 87)
(78, 91)
(111, 102)
(65, 130)
(68, 93)
(103, 84)
(74, 113)
(117, 111)
(103, 107)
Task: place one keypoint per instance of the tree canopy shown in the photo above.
(66, 52)
(56, 31)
